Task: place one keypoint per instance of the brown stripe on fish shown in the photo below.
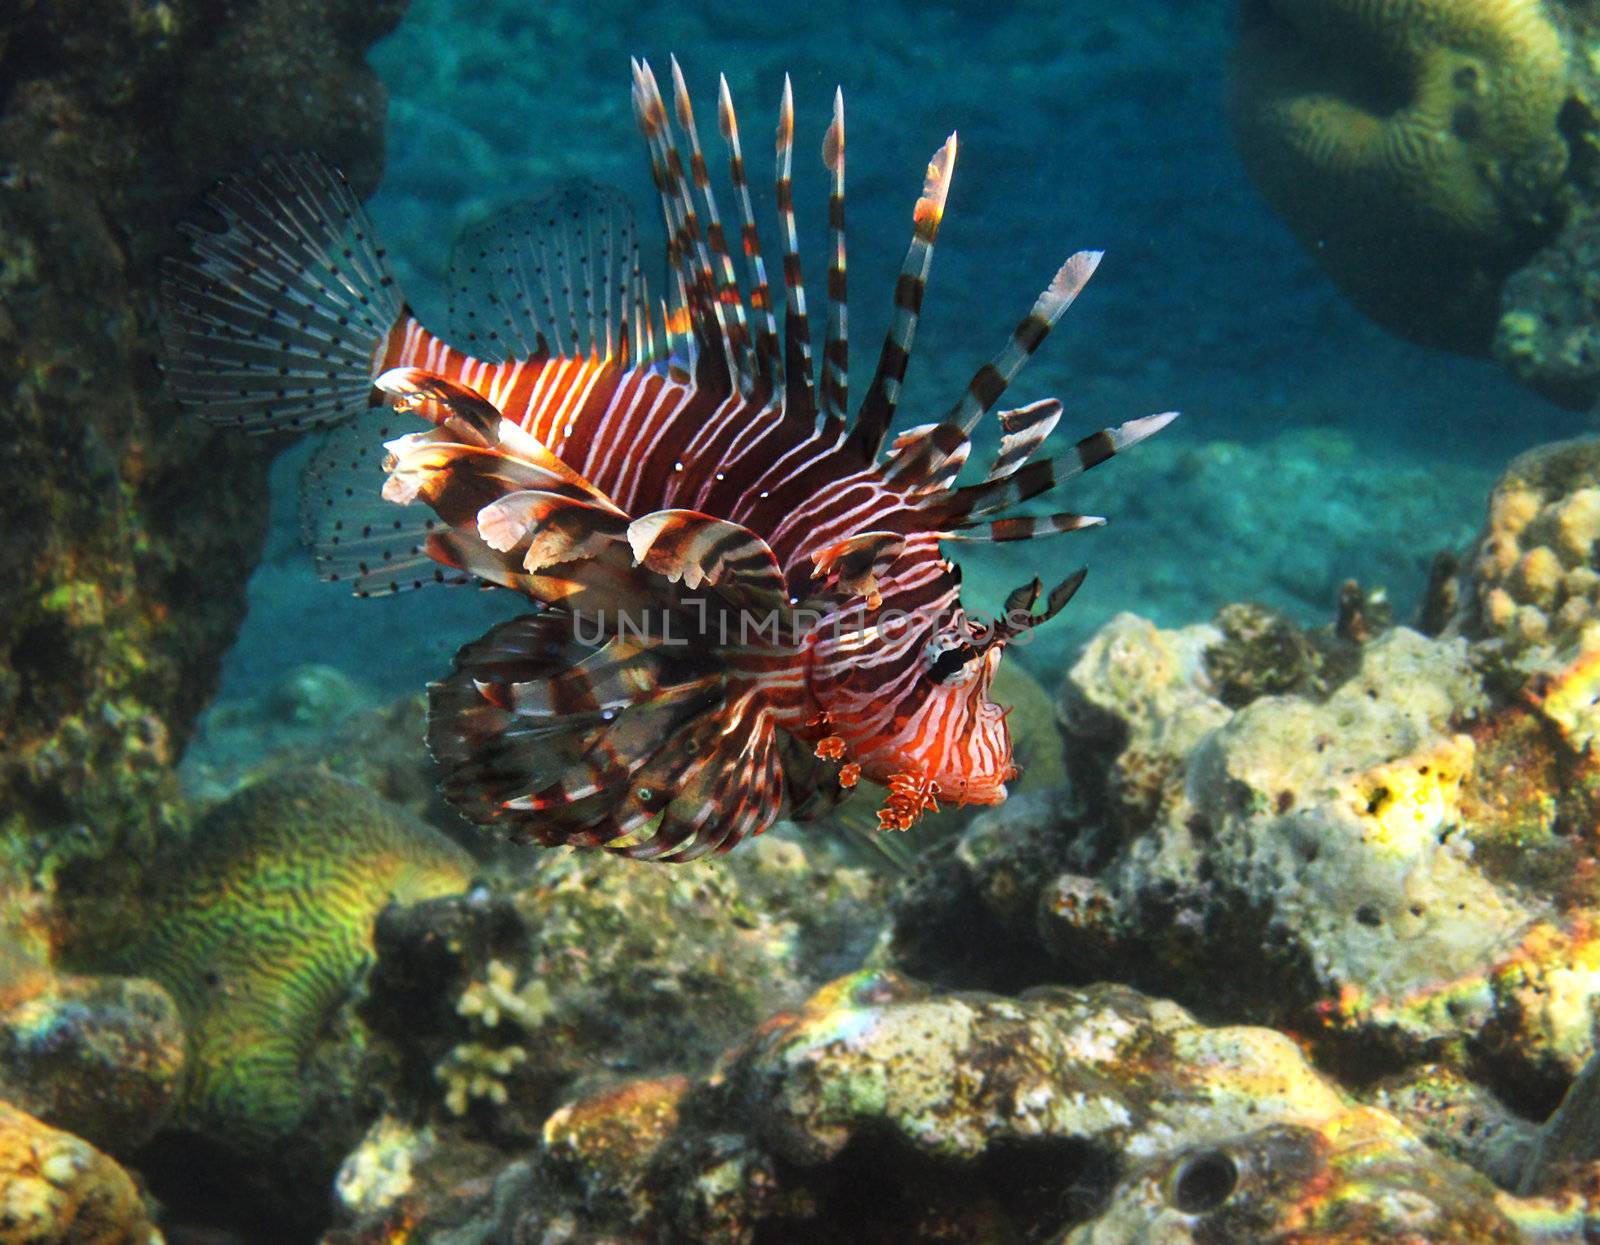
(799, 401)
(883, 395)
(836, 347)
(769, 364)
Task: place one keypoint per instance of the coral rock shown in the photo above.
(102, 1057)
(56, 1189)
(1530, 578)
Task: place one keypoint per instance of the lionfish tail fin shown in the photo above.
(273, 321)
(883, 394)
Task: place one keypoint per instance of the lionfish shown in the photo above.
(740, 604)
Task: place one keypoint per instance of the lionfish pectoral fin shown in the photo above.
(467, 415)
(719, 782)
(857, 562)
(557, 274)
(548, 528)
(271, 322)
(541, 732)
(701, 549)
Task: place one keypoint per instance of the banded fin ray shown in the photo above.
(883, 395)
(960, 507)
(719, 363)
(799, 395)
(555, 275)
(270, 322)
(836, 347)
(769, 360)
(994, 377)
(356, 537)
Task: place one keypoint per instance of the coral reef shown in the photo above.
(1530, 580)
(130, 530)
(879, 1111)
(496, 1001)
(102, 1057)
(262, 933)
(1402, 870)
(56, 1189)
(1413, 146)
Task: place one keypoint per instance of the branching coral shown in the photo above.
(1412, 145)
(477, 1070)
(472, 1071)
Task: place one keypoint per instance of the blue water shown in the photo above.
(1314, 446)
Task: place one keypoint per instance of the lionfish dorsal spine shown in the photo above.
(729, 300)
(883, 394)
(724, 360)
(994, 377)
(836, 346)
(799, 398)
(769, 361)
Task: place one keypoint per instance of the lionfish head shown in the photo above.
(963, 745)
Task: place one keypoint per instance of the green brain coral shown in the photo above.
(262, 930)
(1413, 146)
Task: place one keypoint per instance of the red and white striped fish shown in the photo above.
(741, 604)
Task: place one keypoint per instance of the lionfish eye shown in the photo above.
(950, 663)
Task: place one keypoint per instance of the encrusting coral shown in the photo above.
(879, 1111)
(128, 535)
(1531, 580)
(1413, 146)
(56, 1189)
(262, 931)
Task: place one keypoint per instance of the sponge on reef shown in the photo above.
(1413, 146)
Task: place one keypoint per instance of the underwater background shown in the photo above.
(1289, 933)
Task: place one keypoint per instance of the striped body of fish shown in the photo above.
(741, 604)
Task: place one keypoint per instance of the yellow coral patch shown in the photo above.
(1572, 701)
(1406, 802)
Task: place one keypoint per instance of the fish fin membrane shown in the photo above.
(273, 315)
(716, 784)
(555, 275)
(565, 742)
(355, 536)
(702, 549)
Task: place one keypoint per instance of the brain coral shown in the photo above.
(1413, 146)
(263, 930)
